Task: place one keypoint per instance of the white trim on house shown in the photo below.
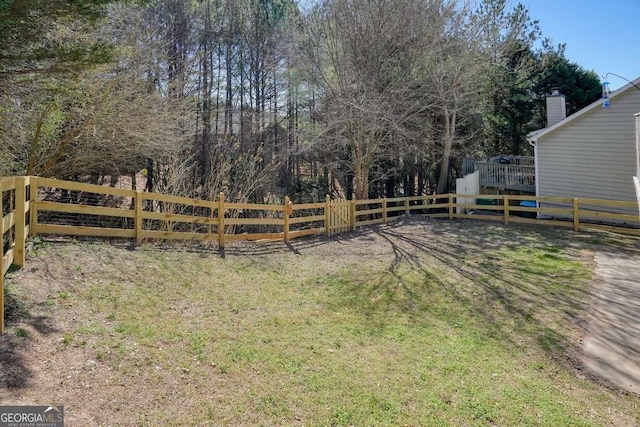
(637, 116)
(636, 179)
(535, 164)
(533, 136)
(636, 183)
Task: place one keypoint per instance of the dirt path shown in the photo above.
(612, 344)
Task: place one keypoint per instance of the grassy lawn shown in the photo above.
(415, 324)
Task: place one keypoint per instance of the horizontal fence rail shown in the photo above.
(30, 206)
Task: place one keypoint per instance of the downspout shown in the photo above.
(534, 143)
(636, 183)
(636, 179)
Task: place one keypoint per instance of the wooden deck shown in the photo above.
(507, 176)
(504, 172)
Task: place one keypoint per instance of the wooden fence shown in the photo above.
(31, 206)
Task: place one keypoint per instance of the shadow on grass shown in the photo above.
(495, 278)
(20, 325)
(525, 275)
(517, 279)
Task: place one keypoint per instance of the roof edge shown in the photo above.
(533, 136)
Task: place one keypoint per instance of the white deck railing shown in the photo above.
(507, 176)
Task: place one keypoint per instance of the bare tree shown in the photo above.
(363, 56)
(451, 71)
(359, 95)
(108, 125)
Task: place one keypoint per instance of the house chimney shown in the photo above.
(556, 108)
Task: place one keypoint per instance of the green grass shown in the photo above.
(472, 335)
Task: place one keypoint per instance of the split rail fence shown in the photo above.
(31, 206)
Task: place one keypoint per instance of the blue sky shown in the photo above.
(603, 35)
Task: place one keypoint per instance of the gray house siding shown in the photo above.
(592, 156)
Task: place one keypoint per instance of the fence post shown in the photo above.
(21, 199)
(221, 221)
(506, 209)
(327, 216)
(576, 215)
(406, 206)
(352, 214)
(33, 206)
(450, 206)
(138, 217)
(384, 210)
(287, 207)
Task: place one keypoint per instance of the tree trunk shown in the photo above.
(228, 111)
(449, 132)
(361, 175)
(206, 103)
